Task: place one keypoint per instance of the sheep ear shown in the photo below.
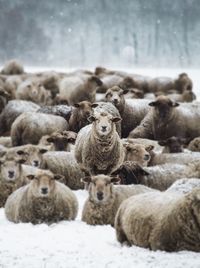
(94, 105)
(115, 179)
(21, 161)
(162, 142)
(175, 104)
(97, 80)
(149, 148)
(125, 91)
(50, 139)
(43, 151)
(144, 172)
(31, 177)
(77, 105)
(86, 179)
(20, 152)
(116, 119)
(58, 177)
(91, 118)
(153, 103)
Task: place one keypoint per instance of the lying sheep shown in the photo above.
(80, 114)
(12, 110)
(104, 199)
(33, 90)
(10, 176)
(194, 145)
(173, 145)
(159, 177)
(61, 110)
(137, 153)
(62, 141)
(12, 67)
(32, 154)
(166, 119)
(172, 224)
(43, 200)
(76, 88)
(132, 111)
(183, 82)
(12, 83)
(175, 158)
(29, 127)
(145, 142)
(65, 164)
(98, 148)
(186, 96)
(184, 185)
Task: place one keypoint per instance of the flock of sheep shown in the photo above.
(132, 141)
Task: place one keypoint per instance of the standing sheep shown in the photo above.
(160, 221)
(104, 198)
(98, 147)
(43, 200)
(132, 111)
(29, 127)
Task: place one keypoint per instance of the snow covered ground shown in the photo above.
(75, 244)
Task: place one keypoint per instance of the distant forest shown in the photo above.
(85, 33)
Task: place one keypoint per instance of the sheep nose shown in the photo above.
(35, 163)
(100, 195)
(103, 128)
(11, 174)
(146, 157)
(115, 101)
(44, 190)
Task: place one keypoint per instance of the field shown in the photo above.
(75, 244)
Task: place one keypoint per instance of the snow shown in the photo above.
(76, 244)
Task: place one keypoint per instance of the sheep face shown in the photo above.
(163, 107)
(84, 108)
(103, 123)
(43, 183)
(138, 153)
(33, 156)
(101, 188)
(10, 169)
(62, 140)
(173, 144)
(115, 95)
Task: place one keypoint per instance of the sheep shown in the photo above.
(98, 148)
(62, 141)
(29, 127)
(12, 83)
(173, 145)
(12, 110)
(4, 98)
(186, 96)
(12, 67)
(104, 198)
(61, 110)
(158, 177)
(32, 154)
(184, 185)
(50, 80)
(183, 82)
(76, 88)
(111, 109)
(137, 153)
(166, 119)
(176, 158)
(80, 114)
(145, 142)
(65, 164)
(44, 199)
(10, 176)
(160, 221)
(194, 145)
(33, 90)
(132, 111)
